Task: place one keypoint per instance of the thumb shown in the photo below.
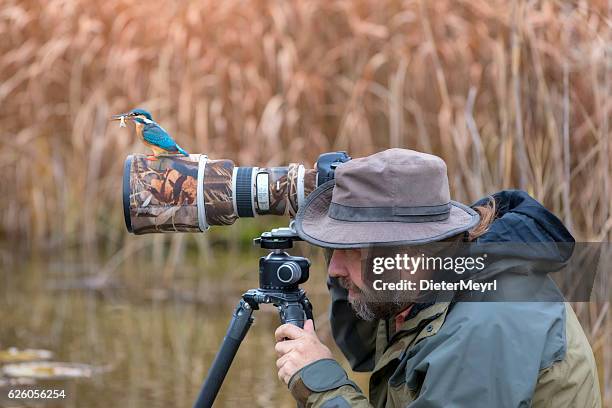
(309, 326)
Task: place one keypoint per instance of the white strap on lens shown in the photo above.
(263, 192)
(202, 224)
(300, 185)
(234, 174)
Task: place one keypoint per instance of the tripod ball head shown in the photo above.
(281, 271)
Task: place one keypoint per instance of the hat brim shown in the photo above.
(314, 225)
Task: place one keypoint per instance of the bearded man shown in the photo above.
(442, 352)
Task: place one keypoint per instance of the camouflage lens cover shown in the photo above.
(162, 194)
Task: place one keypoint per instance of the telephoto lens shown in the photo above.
(192, 193)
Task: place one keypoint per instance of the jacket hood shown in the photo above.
(527, 230)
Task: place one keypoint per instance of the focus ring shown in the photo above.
(243, 192)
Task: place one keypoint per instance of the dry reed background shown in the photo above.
(510, 94)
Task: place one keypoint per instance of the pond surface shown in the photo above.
(150, 343)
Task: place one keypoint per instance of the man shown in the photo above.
(453, 353)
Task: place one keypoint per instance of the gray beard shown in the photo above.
(373, 305)
(363, 310)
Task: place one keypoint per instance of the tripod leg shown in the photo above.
(238, 328)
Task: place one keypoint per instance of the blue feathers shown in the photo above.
(141, 112)
(181, 151)
(155, 135)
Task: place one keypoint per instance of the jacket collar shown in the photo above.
(422, 321)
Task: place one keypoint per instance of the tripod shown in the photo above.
(279, 277)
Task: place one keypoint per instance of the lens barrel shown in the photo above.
(189, 194)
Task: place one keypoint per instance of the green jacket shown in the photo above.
(467, 354)
(485, 353)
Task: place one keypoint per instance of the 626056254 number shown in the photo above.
(36, 394)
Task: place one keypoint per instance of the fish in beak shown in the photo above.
(121, 117)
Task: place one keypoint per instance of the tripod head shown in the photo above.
(278, 238)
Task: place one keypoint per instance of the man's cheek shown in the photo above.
(356, 292)
(356, 278)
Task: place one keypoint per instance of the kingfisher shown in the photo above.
(152, 134)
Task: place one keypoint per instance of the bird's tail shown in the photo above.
(181, 151)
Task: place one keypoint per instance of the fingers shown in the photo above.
(283, 360)
(309, 326)
(288, 331)
(292, 332)
(286, 367)
(286, 372)
(296, 348)
(284, 347)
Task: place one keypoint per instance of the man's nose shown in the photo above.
(337, 265)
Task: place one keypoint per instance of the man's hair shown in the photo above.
(487, 216)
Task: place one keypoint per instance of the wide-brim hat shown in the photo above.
(392, 198)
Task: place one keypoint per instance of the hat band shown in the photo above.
(394, 214)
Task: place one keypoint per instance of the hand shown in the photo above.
(296, 348)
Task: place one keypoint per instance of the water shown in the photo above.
(152, 342)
